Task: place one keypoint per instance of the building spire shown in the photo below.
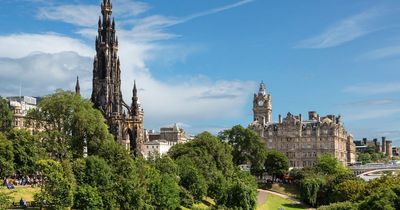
(77, 87)
(135, 100)
(262, 88)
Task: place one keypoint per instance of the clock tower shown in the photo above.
(262, 105)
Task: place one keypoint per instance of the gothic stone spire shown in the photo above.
(77, 87)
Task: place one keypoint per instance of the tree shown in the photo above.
(340, 206)
(276, 163)
(6, 157)
(309, 188)
(27, 150)
(57, 191)
(87, 197)
(328, 164)
(5, 116)
(241, 192)
(70, 124)
(247, 147)
(364, 157)
(95, 172)
(191, 179)
(349, 190)
(165, 190)
(5, 201)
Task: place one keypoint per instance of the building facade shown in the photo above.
(126, 122)
(384, 146)
(302, 140)
(155, 147)
(173, 135)
(20, 105)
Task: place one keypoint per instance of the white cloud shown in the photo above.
(81, 15)
(345, 30)
(42, 73)
(21, 45)
(371, 89)
(87, 15)
(188, 100)
(386, 52)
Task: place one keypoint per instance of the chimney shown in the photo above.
(280, 118)
(301, 118)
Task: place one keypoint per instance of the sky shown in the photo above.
(198, 62)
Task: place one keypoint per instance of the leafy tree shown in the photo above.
(165, 190)
(276, 163)
(191, 179)
(241, 192)
(95, 172)
(56, 190)
(364, 157)
(27, 150)
(327, 164)
(70, 124)
(383, 199)
(340, 206)
(349, 190)
(87, 197)
(166, 165)
(6, 156)
(247, 147)
(5, 201)
(5, 116)
(309, 188)
(240, 195)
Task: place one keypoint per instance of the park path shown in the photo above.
(262, 195)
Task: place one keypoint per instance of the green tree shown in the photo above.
(87, 197)
(327, 164)
(364, 158)
(241, 192)
(6, 156)
(5, 116)
(27, 150)
(191, 179)
(5, 201)
(165, 190)
(309, 188)
(276, 163)
(340, 206)
(57, 191)
(349, 190)
(247, 147)
(70, 124)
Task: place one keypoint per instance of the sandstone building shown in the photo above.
(20, 105)
(384, 146)
(125, 122)
(302, 140)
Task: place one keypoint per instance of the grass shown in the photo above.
(286, 189)
(274, 202)
(24, 192)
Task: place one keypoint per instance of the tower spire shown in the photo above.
(262, 88)
(77, 87)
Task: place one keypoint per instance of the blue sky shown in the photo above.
(198, 62)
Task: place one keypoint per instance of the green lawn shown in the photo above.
(286, 189)
(24, 192)
(274, 202)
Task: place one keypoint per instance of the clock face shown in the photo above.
(260, 102)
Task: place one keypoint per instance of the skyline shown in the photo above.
(199, 63)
